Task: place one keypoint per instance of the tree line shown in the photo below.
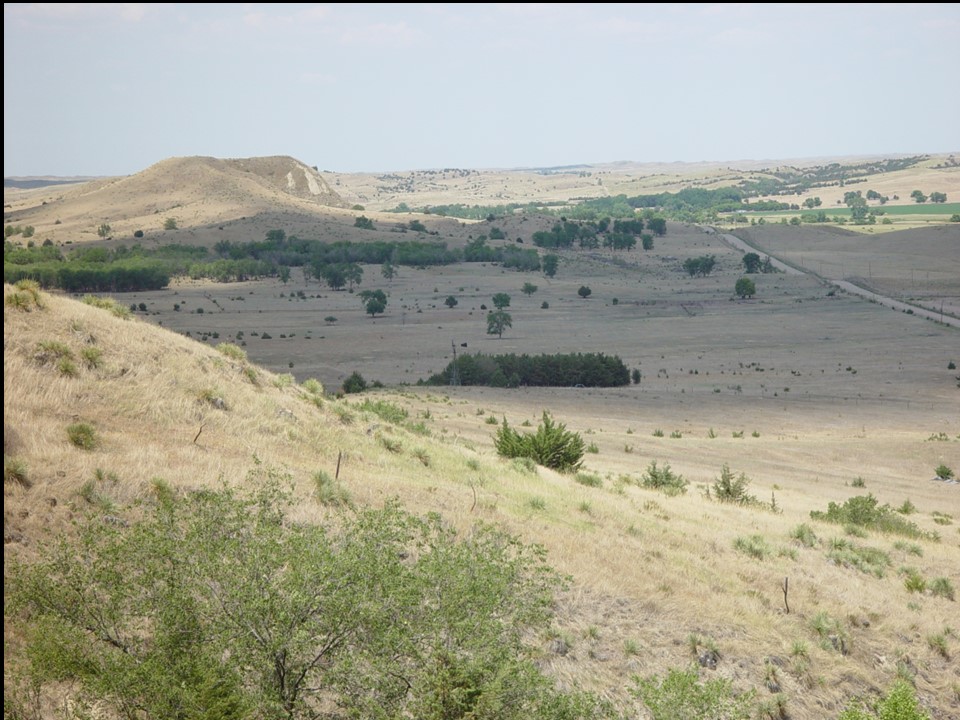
(556, 370)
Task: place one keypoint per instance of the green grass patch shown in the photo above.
(864, 511)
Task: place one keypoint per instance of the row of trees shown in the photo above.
(558, 370)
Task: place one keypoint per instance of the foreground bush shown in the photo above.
(217, 604)
(552, 446)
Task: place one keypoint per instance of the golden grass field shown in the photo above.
(805, 390)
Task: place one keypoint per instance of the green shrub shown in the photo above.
(588, 479)
(386, 411)
(329, 491)
(282, 381)
(943, 472)
(831, 633)
(805, 535)
(83, 436)
(92, 357)
(355, 383)
(261, 616)
(552, 445)
(15, 470)
(864, 511)
(681, 696)
(732, 489)
(942, 587)
(313, 386)
(663, 479)
(914, 581)
(865, 559)
(755, 546)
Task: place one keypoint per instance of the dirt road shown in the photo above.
(735, 242)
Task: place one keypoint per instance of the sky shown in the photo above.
(111, 89)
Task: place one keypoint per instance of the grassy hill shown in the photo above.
(816, 396)
(656, 579)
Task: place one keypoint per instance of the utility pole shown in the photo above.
(454, 372)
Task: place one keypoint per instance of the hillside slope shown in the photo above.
(194, 192)
(656, 579)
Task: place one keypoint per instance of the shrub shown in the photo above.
(328, 491)
(92, 357)
(552, 445)
(732, 489)
(354, 384)
(588, 479)
(755, 546)
(663, 479)
(865, 512)
(804, 534)
(865, 559)
(681, 696)
(15, 470)
(236, 638)
(942, 587)
(943, 472)
(313, 386)
(83, 436)
(384, 410)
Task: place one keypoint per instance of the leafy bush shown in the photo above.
(900, 703)
(732, 489)
(384, 410)
(216, 601)
(552, 445)
(865, 511)
(663, 479)
(943, 472)
(681, 696)
(354, 384)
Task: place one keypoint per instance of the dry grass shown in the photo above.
(649, 570)
(868, 389)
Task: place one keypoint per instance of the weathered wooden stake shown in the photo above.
(197, 435)
(339, 457)
(786, 587)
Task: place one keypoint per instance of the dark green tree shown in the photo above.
(363, 222)
(550, 264)
(938, 197)
(529, 288)
(450, 302)
(918, 196)
(751, 262)
(501, 300)
(584, 292)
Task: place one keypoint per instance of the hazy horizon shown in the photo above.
(104, 90)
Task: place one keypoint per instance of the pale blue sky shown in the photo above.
(110, 89)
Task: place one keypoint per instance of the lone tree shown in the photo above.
(374, 301)
(450, 302)
(938, 197)
(751, 261)
(529, 288)
(363, 222)
(918, 196)
(584, 292)
(501, 300)
(497, 322)
(104, 230)
(745, 288)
